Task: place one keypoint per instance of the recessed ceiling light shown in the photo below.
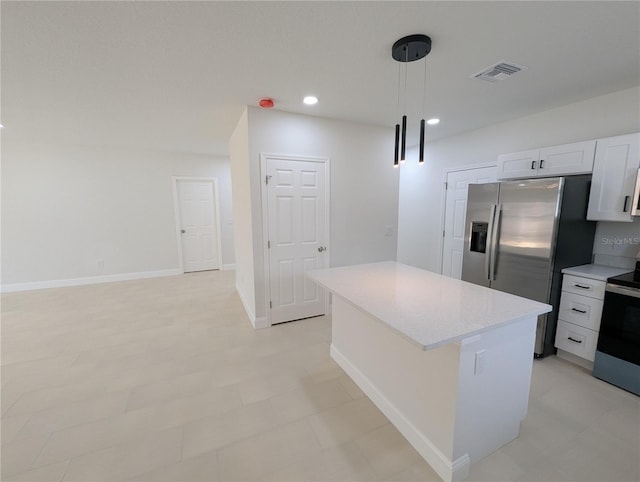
(433, 122)
(310, 100)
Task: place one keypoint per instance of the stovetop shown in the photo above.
(627, 279)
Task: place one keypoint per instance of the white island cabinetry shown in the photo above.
(448, 362)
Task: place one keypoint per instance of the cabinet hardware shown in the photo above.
(584, 312)
(541, 163)
(626, 201)
(582, 286)
(574, 340)
(533, 165)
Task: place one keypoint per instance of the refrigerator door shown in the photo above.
(481, 205)
(527, 226)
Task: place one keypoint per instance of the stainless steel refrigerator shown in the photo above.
(519, 235)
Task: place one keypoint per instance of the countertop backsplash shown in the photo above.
(617, 244)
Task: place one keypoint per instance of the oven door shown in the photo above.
(620, 326)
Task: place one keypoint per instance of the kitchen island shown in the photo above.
(448, 362)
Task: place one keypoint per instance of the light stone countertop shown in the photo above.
(429, 309)
(596, 271)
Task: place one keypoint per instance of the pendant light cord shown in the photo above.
(406, 66)
(424, 88)
(398, 105)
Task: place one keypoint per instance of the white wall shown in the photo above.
(242, 228)
(422, 189)
(66, 207)
(617, 244)
(364, 185)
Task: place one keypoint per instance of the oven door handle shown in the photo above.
(622, 290)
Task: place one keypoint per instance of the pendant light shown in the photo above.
(409, 49)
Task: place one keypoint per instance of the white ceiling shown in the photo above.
(176, 75)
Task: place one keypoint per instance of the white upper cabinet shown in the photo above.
(518, 164)
(615, 172)
(576, 158)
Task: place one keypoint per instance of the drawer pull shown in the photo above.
(584, 312)
(582, 286)
(574, 340)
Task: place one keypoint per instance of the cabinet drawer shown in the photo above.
(583, 286)
(575, 339)
(580, 310)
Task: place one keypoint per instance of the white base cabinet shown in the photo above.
(579, 316)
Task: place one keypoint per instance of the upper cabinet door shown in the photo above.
(576, 158)
(614, 174)
(518, 165)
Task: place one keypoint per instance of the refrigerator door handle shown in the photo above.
(494, 241)
(487, 256)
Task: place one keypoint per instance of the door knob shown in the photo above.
(183, 231)
(321, 249)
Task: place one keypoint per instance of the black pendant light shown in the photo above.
(409, 49)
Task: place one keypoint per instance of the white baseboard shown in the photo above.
(261, 322)
(89, 280)
(257, 323)
(447, 469)
(570, 357)
(228, 267)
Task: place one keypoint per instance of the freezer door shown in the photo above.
(481, 204)
(527, 224)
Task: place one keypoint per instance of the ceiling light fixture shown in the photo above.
(310, 100)
(266, 103)
(409, 49)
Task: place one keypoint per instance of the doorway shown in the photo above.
(456, 188)
(197, 223)
(296, 232)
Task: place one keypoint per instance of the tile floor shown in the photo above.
(165, 379)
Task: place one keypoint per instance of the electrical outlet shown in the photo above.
(101, 263)
(388, 231)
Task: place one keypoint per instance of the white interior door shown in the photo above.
(198, 225)
(296, 205)
(455, 213)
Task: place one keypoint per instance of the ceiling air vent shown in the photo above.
(500, 71)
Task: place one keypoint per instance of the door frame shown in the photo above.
(176, 212)
(443, 201)
(264, 157)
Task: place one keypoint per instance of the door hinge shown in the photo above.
(266, 179)
(270, 304)
(443, 233)
(446, 185)
(268, 244)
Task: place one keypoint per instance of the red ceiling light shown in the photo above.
(266, 103)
